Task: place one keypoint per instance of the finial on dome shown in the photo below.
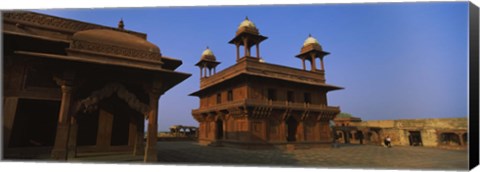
(207, 47)
(309, 35)
(120, 24)
(246, 17)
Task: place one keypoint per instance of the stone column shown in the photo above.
(204, 70)
(314, 68)
(72, 141)
(303, 64)
(150, 150)
(258, 50)
(460, 137)
(238, 50)
(201, 72)
(9, 111)
(59, 151)
(321, 64)
(245, 42)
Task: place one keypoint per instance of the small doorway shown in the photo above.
(415, 138)
(292, 125)
(219, 129)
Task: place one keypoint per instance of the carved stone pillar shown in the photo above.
(150, 150)
(60, 147)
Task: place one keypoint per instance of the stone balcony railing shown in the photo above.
(269, 104)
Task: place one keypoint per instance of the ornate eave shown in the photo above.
(208, 63)
(57, 24)
(254, 38)
(312, 48)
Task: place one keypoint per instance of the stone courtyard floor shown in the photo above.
(346, 156)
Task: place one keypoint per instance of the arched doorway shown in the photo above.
(359, 136)
(292, 125)
(219, 129)
(110, 118)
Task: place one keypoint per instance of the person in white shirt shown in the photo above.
(388, 141)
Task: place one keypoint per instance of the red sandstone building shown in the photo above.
(255, 104)
(71, 88)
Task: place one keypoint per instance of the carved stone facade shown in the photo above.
(253, 104)
(73, 88)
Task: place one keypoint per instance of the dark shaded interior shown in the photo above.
(35, 123)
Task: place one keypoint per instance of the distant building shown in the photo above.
(71, 87)
(183, 131)
(256, 104)
(432, 132)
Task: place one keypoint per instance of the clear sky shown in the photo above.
(395, 60)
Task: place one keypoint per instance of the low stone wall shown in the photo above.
(429, 129)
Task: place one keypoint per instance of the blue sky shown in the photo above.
(395, 60)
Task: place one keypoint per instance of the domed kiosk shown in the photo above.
(247, 35)
(311, 50)
(207, 63)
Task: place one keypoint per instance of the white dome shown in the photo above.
(310, 40)
(247, 23)
(208, 55)
(207, 52)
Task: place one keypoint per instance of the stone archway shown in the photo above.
(111, 118)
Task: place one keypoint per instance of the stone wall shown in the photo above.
(399, 130)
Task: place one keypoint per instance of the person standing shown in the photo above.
(388, 141)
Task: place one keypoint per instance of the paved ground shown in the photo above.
(347, 156)
(353, 156)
